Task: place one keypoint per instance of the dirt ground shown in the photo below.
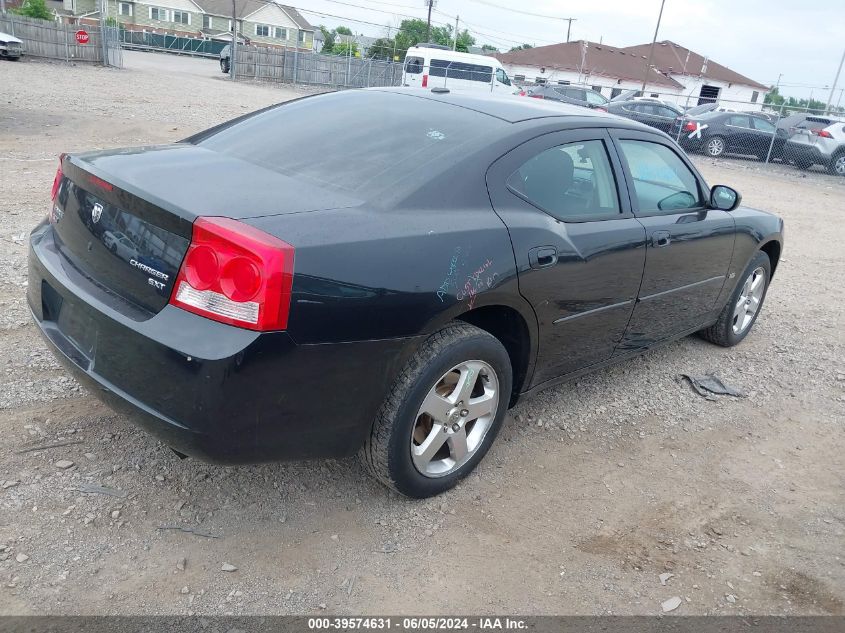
(593, 489)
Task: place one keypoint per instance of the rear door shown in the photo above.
(688, 246)
(740, 137)
(579, 250)
(413, 72)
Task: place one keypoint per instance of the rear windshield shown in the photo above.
(362, 142)
(705, 107)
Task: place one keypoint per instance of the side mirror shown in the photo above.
(724, 198)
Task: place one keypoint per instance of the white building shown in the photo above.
(612, 70)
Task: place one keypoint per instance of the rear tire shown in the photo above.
(715, 146)
(422, 454)
(224, 65)
(736, 319)
(837, 165)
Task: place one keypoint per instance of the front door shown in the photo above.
(688, 245)
(579, 250)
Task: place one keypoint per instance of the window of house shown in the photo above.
(207, 22)
(124, 8)
(181, 17)
(569, 182)
(662, 181)
(280, 33)
(262, 30)
(301, 37)
(540, 81)
(157, 13)
(754, 96)
(519, 77)
(563, 82)
(230, 26)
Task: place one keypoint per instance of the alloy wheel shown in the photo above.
(454, 418)
(750, 298)
(839, 165)
(715, 146)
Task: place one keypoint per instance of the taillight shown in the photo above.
(425, 81)
(57, 181)
(236, 274)
(600, 109)
(690, 126)
(823, 133)
(536, 96)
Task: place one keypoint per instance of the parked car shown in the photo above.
(575, 95)
(120, 245)
(817, 141)
(718, 133)
(225, 58)
(10, 47)
(652, 113)
(311, 306)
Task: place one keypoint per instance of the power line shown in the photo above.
(504, 8)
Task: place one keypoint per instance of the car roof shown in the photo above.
(510, 108)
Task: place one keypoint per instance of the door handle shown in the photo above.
(542, 256)
(660, 239)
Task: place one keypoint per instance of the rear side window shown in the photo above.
(381, 141)
(762, 125)
(595, 99)
(569, 182)
(414, 65)
(662, 181)
(739, 121)
(460, 70)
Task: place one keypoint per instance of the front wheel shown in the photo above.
(442, 413)
(743, 308)
(837, 165)
(715, 146)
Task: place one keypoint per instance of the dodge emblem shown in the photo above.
(96, 212)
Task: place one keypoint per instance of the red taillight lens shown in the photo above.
(57, 182)
(538, 96)
(690, 126)
(236, 274)
(425, 81)
(823, 133)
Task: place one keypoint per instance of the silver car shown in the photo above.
(819, 141)
(10, 46)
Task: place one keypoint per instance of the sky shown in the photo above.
(800, 43)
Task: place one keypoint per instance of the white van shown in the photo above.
(435, 66)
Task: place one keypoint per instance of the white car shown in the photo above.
(120, 245)
(436, 66)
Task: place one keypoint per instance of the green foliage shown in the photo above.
(343, 30)
(521, 47)
(328, 40)
(488, 48)
(788, 105)
(35, 9)
(112, 21)
(412, 32)
(343, 48)
(382, 48)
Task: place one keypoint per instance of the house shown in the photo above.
(605, 69)
(676, 73)
(259, 23)
(704, 80)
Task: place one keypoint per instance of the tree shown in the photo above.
(344, 48)
(521, 47)
(328, 40)
(382, 48)
(412, 32)
(343, 30)
(35, 9)
(489, 48)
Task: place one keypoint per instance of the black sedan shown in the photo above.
(653, 114)
(718, 133)
(289, 302)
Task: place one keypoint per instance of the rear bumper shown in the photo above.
(209, 390)
(800, 152)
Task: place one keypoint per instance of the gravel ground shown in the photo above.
(594, 489)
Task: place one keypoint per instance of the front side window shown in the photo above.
(502, 77)
(414, 65)
(262, 30)
(662, 181)
(569, 182)
(762, 125)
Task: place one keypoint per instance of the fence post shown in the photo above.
(11, 22)
(772, 142)
(295, 63)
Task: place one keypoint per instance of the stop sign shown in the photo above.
(82, 37)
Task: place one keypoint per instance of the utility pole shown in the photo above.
(103, 6)
(835, 81)
(651, 50)
(428, 24)
(455, 42)
(232, 51)
(569, 26)
(2, 6)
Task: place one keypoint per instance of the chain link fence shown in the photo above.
(330, 71)
(54, 40)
